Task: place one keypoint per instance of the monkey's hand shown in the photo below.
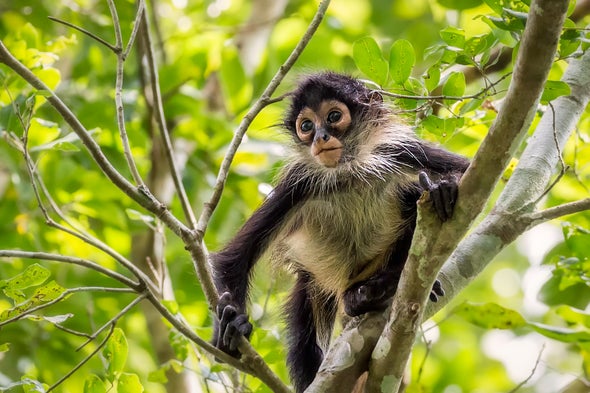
(231, 326)
(443, 194)
(375, 293)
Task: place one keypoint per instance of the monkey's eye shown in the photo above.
(306, 126)
(334, 116)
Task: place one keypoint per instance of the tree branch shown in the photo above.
(512, 215)
(263, 101)
(533, 63)
(429, 251)
(119, 94)
(71, 260)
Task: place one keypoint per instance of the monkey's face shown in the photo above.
(322, 129)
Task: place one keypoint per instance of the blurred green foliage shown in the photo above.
(407, 47)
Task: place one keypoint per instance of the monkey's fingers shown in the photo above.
(449, 195)
(239, 327)
(425, 181)
(438, 201)
(225, 300)
(437, 291)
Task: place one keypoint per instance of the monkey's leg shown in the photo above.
(375, 293)
(305, 310)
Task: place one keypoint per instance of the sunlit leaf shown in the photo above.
(453, 36)
(490, 316)
(129, 383)
(33, 275)
(432, 77)
(459, 4)
(561, 334)
(115, 352)
(401, 60)
(454, 86)
(368, 58)
(554, 89)
(94, 384)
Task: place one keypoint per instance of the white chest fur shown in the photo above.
(343, 237)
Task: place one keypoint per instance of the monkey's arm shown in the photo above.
(233, 264)
(439, 172)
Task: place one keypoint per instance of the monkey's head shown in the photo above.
(328, 113)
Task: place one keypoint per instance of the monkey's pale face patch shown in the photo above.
(321, 130)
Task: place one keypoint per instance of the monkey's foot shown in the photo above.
(373, 294)
(233, 325)
(443, 194)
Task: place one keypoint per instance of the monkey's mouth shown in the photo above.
(329, 157)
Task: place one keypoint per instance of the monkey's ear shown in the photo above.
(375, 97)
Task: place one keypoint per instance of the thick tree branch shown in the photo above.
(429, 251)
(512, 214)
(533, 63)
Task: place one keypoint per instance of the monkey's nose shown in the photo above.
(322, 135)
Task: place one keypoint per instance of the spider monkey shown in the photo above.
(341, 218)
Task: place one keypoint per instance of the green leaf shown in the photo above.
(573, 316)
(115, 352)
(442, 128)
(4, 347)
(94, 384)
(454, 86)
(554, 89)
(32, 386)
(490, 316)
(158, 375)
(470, 105)
(33, 275)
(44, 294)
(129, 383)
(432, 77)
(552, 293)
(561, 334)
(453, 36)
(237, 88)
(401, 60)
(368, 58)
(459, 4)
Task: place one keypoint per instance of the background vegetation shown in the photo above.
(215, 59)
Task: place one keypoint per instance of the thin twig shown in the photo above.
(262, 102)
(113, 320)
(552, 213)
(564, 167)
(84, 31)
(517, 387)
(136, 25)
(483, 93)
(119, 96)
(76, 232)
(161, 120)
(84, 361)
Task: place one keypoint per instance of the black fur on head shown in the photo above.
(316, 88)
